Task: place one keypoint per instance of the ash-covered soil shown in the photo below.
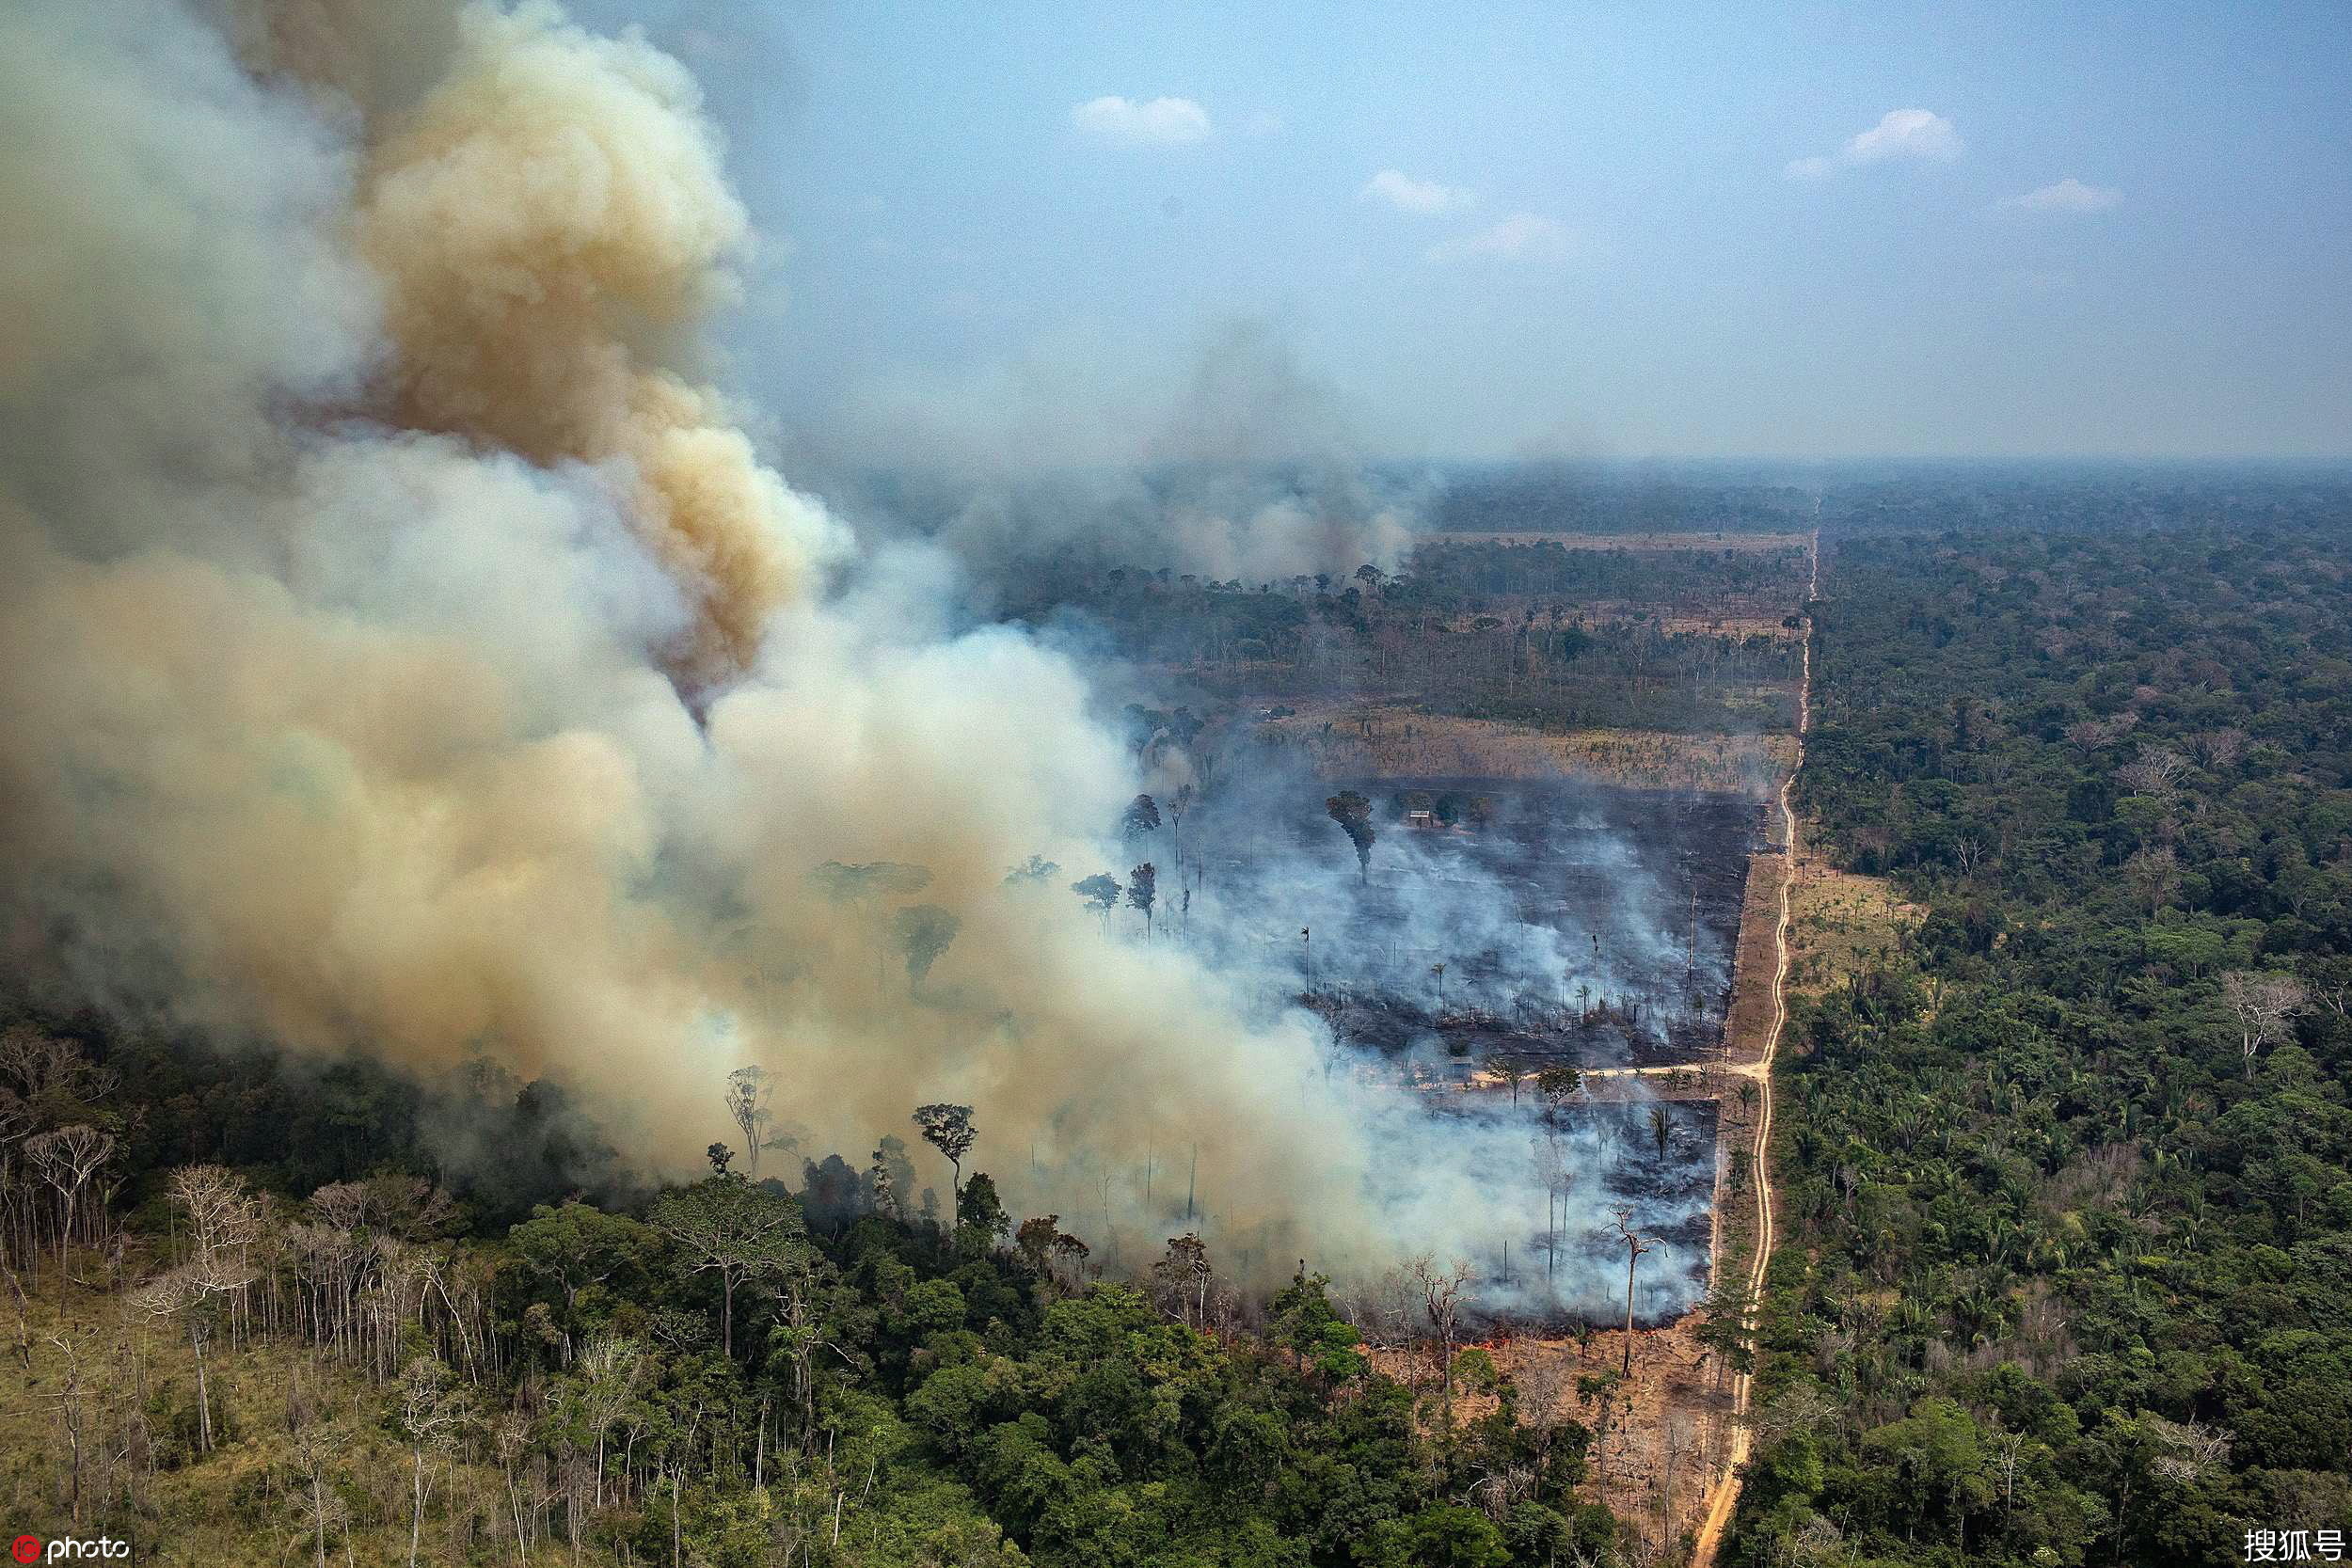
(1492, 921)
(1567, 1258)
(1574, 922)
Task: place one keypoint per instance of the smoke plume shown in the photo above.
(403, 651)
(1243, 467)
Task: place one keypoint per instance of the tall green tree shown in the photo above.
(725, 1226)
(948, 1129)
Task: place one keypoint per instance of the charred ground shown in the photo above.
(1543, 921)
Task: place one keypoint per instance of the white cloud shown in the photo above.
(1899, 133)
(2068, 194)
(1160, 122)
(1265, 122)
(1408, 195)
(1520, 237)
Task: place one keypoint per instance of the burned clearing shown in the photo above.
(1458, 935)
(1539, 922)
(1564, 1263)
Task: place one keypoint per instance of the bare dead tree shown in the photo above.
(2008, 1462)
(2262, 1002)
(2219, 749)
(42, 1075)
(1680, 1444)
(1970, 854)
(1635, 1246)
(2156, 771)
(1442, 1286)
(71, 1398)
(432, 1409)
(224, 1221)
(2191, 1450)
(2155, 876)
(66, 1158)
(511, 1438)
(315, 1443)
(1818, 1540)
(45, 1084)
(1546, 1382)
(748, 1090)
(1557, 1173)
(2332, 988)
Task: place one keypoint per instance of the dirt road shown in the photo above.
(1726, 1492)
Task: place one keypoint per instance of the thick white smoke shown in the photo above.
(404, 654)
(1245, 468)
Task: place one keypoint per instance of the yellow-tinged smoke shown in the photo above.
(358, 532)
(547, 216)
(545, 220)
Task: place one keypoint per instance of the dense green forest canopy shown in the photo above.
(370, 1277)
(2070, 1174)
(1607, 497)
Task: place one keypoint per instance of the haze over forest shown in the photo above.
(1295, 789)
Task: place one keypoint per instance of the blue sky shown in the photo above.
(1634, 230)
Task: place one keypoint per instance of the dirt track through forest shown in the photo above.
(1726, 1491)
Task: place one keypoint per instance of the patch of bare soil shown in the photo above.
(1660, 1434)
(1754, 961)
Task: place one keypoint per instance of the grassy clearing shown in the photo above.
(1354, 740)
(1841, 922)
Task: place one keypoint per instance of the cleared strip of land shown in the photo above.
(1726, 1494)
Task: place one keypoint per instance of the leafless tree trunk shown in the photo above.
(73, 1415)
(1635, 1246)
(2262, 1004)
(66, 1158)
(224, 1223)
(512, 1436)
(2008, 1456)
(1442, 1302)
(311, 1447)
(747, 1102)
(431, 1409)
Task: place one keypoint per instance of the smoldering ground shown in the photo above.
(1489, 921)
(1508, 903)
(404, 651)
